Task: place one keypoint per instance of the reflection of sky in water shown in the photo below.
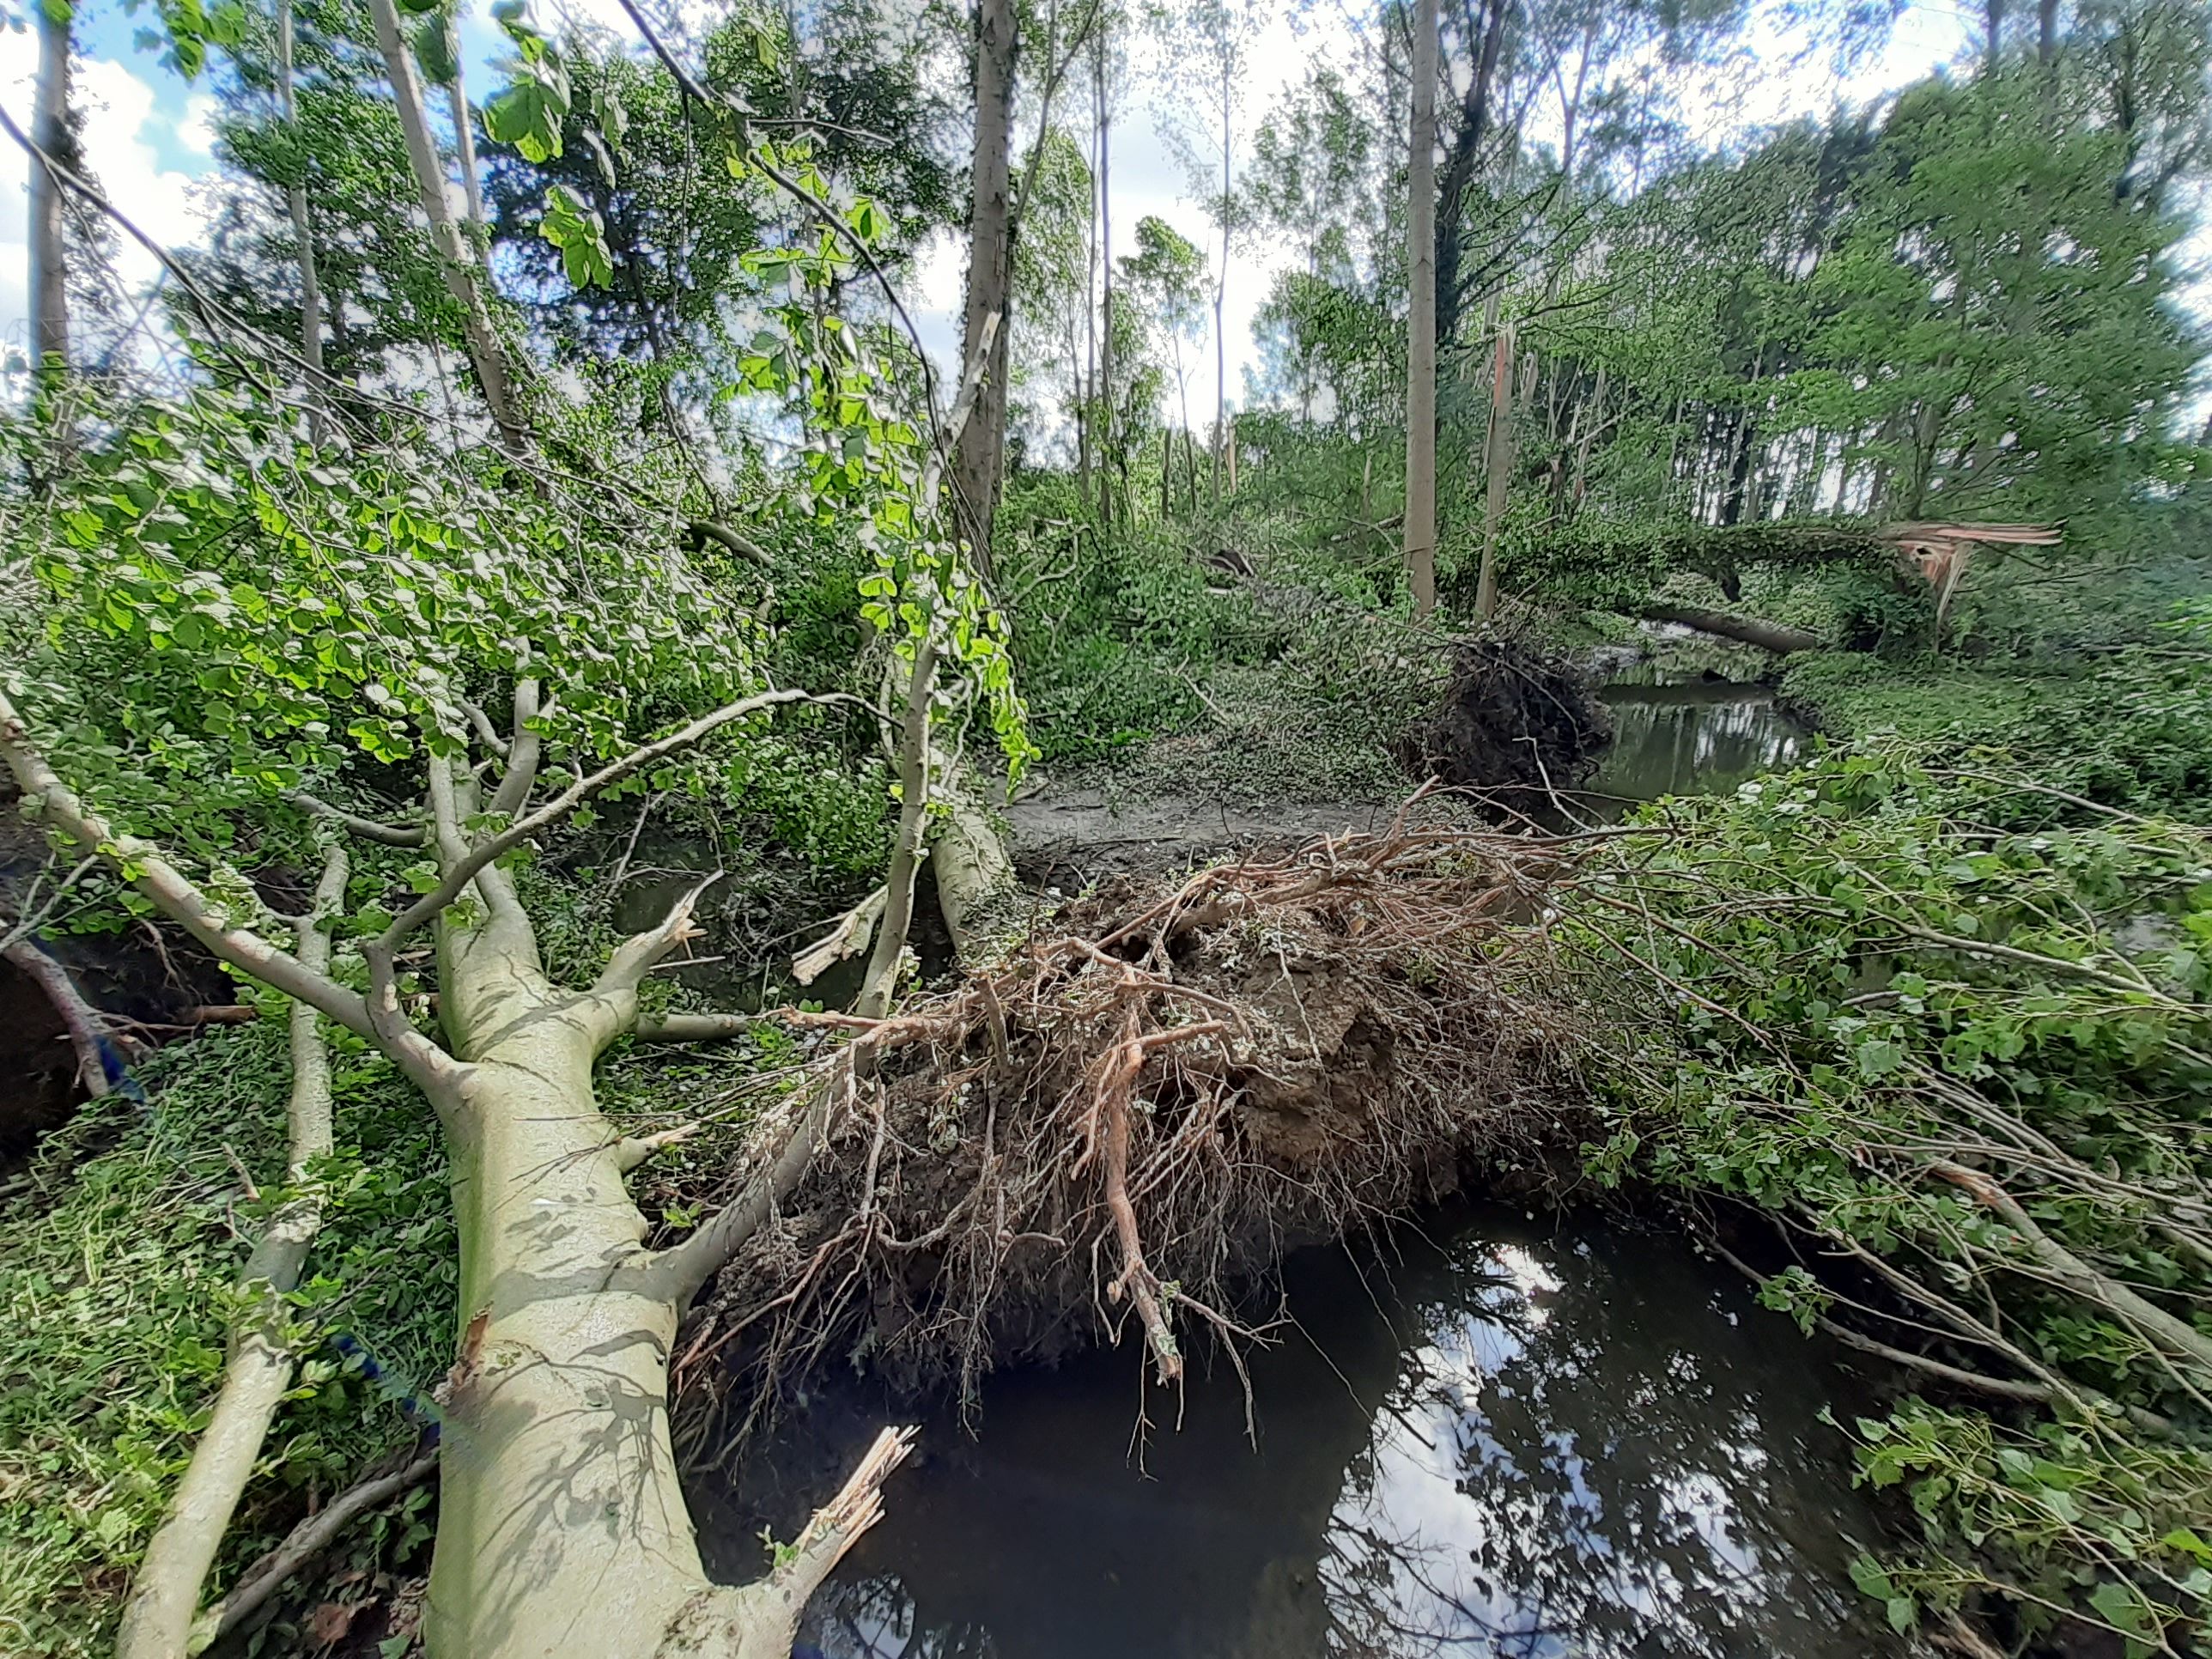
(1439, 1540)
(1551, 1450)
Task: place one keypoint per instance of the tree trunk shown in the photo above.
(465, 144)
(1420, 536)
(1475, 121)
(303, 234)
(50, 132)
(979, 461)
(1498, 459)
(1777, 637)
(1994, 42)
(1221, 297)
(1109, 441)
(487, 354)
(2046, 32)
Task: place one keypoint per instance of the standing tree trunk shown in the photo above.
(980, 462)
(1420, 537)
(1995, 43)
(1458, 178)
(462, 270)
(295, 199)
(465, 145)
(1498, 461)
(1221, 292)
(2046, 32)
(1109, 441)
(50, 132)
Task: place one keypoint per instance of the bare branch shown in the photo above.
(166, 1591)
(464, 870)
(79, 1017)
(635, 957)
(634, 1150)
(141, 864)
(677, 1274)
(307, 1541)
(390, 835)
(522, 754)
(692, 1028)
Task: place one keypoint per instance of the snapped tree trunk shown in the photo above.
(50, 132)
(465, 146)
(1498, 461)
(1420, 537)
(461, 268)
(303, 235)
(980, 460)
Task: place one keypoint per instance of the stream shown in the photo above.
(1495, 1435)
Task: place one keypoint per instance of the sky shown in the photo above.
(148, 141)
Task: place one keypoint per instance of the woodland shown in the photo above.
(530, 674)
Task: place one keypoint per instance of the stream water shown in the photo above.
(1681, 734)
(1499, 1438)
(1518, 1442)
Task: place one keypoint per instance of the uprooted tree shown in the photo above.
(257, 656)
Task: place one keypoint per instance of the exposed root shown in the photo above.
(1514, 719)
(1139, 1114)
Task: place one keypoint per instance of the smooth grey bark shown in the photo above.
(164, 1594)
(562, 1526)
(50, 132)
(1420, 530)
(295, 202)
(461, 267)
(465, 146)
(980, 456)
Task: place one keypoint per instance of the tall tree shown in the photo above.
(980, 463)
(462, 268)
(1420, 541)
(52, 133)
(295, 202)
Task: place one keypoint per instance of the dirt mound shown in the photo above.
(1515, 719)
(1123, 1127)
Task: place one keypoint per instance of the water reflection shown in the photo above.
(1523, 1446)
(1702, 738)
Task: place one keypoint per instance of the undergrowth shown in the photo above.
(124, 1246)
(1948, 1035)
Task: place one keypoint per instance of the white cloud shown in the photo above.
(122, 128)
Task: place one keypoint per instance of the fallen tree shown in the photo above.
(1119, 1128)
(1778, 637)
(218, 683)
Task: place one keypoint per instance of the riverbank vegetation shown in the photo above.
(523, 598)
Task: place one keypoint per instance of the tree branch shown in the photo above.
(635, 957)
(677, 1274)
(390, 835)
(80, 1018)
(157, 1623)
(463, 871)
(307, 1541)
(141, 864)
(692, 1028)
(522, 754)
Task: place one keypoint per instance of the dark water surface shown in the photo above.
(1694, 737)
(1521, 1442)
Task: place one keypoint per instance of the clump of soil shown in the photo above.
(1515, 719)
(1121, 1129)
